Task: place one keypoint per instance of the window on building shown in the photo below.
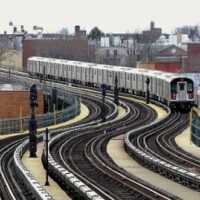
(115, 53)
(107, 53)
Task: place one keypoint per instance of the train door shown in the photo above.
(95, 80)
(113, 78)
(182, 90)
(83, 74)
(110, 77)
(63, 71)
(134, 81)
(128, 80)
(69, 72)
(51, 69)
(104, 74)
(60, 71)
(99, 76)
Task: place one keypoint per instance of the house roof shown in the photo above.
(172, 50)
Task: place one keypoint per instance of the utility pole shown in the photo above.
(147, 82)
(103, 102)
(33, 122)
(116, 92)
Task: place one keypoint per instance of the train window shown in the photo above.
(110, 74)
(189, 87)
(182, 86)
(173, 88)
(128, 77)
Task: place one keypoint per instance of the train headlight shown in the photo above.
(173, 95)
(190, 95)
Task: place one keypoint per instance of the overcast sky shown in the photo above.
(111, 16)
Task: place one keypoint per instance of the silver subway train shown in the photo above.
(175, 90)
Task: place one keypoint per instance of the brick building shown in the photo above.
(193, 61)
(14, 102)
(70, 49)
(169, 59)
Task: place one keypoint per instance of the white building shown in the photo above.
(174, 39)
(105, 42)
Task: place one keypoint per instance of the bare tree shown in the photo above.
(109, 57)
(191, 31)
(131, 47)
(148, 38)
(71, 49)
(4, 47)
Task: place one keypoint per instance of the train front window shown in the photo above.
(189, 87)
(182, 86)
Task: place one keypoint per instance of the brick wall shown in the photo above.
(11, 101)
(193, 57)
(29, 50)
(147, 65)
(168, 66)
(162, 66)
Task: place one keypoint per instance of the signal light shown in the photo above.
(33, 93)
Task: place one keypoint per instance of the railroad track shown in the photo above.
(86, 157)
(9, 178)
(163, 142)
(154, 148)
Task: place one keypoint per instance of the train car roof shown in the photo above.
(147, 72)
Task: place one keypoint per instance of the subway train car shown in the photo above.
(175, 90)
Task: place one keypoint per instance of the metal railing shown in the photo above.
(196, 131)
(19, 124)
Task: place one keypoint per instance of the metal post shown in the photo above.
(47, 163)
(147, 82)
(33, 122)
(21, 123)
(190, 116)
(54, 113)
(116, 92)
(103, 103)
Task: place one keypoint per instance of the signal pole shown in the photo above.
(147, 82)
(116, 92)
(103, 104)
(47, 163)
(33, 122)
